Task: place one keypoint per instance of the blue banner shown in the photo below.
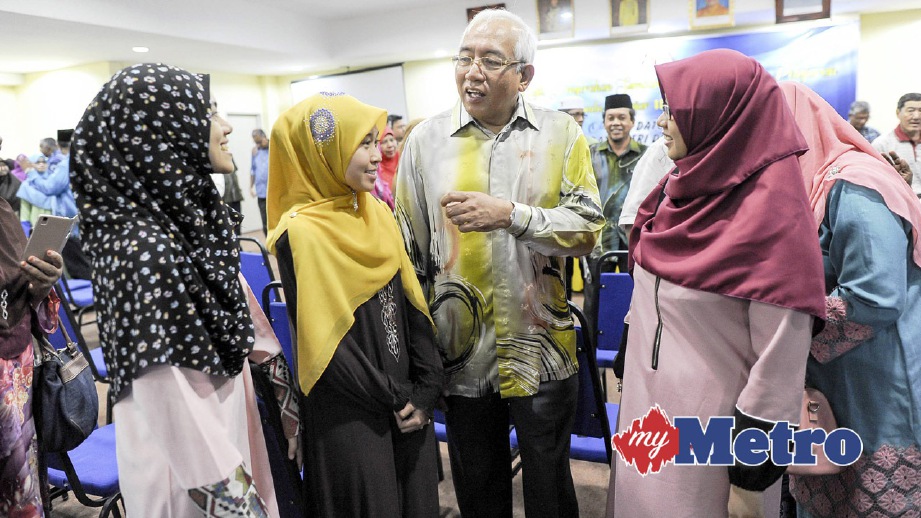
(824, 58)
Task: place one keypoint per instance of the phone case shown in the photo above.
(49, 233)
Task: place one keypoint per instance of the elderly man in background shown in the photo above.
(905, 138)
(574, 106)
(492, 195)
(46, 149)
(259, 172)
(858, 115)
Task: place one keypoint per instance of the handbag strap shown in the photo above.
(67, 339)
(46, 346)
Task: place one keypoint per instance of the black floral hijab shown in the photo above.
(165, 260)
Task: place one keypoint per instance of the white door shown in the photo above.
(241, 145)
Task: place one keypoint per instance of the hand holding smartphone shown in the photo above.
(49, 233)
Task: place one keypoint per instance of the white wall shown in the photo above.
(885, 69)
(45, 102)
(430, 87)
(9, 122)
(49, 101)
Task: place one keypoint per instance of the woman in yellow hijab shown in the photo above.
(366, 357)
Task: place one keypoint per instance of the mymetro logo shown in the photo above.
(653, 441)
(649, 443)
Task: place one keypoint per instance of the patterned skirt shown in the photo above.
(881, 484)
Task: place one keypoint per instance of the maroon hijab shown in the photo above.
(733, 218)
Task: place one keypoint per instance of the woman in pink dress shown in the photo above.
(728, 279)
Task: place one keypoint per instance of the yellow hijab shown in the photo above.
(342, 256)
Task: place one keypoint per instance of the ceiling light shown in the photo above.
(140, 49)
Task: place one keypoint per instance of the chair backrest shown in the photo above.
(77, 292)
(591, 414)
(277, 313)
(256, 267)
(614, 293)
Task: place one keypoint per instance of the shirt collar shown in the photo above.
(633, 146)
(901, 135)
(524, 114)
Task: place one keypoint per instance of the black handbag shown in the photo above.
(64, 399)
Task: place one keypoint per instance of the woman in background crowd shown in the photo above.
(25, 290)
(175, 326)
(17, 168)
(387, 169)
(33, 202)
(367, 360)
(727, 277)
(867, 361)
(9, 185)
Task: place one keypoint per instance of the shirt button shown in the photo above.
(294, 214)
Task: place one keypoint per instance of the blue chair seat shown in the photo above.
(441, 433)
(605, 358)
(94, 462)
(99, 361)
(592, 448)
(78, 284)
(82, 297)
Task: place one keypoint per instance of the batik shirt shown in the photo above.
(498, 298)
(613, 174)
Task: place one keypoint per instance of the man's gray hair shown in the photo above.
(526, 42)
(859, 107)
(911, 97)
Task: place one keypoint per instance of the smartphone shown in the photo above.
(49, 233)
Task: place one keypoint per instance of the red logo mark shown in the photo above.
(649, 443)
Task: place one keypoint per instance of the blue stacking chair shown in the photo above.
(591, 431)
(441, 433)
(614, 293)
(78, 293)
(256, 268)
(595, 417)
(89, 469)
(613, 296)
(277, 313)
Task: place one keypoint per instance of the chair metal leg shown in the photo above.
(109, 405)
(111, 507)
(441, 469)
(604, 383)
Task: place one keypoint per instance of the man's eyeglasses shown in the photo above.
(487, 63)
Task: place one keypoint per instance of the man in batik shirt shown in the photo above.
(492, 195)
